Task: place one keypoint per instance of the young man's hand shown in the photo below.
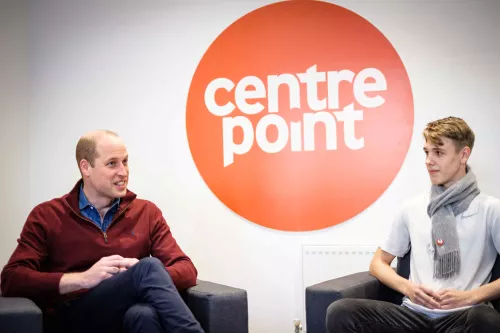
(127, 263)
(422, 295)
(105, 268)
(451, 298)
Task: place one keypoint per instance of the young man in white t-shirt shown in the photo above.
(454, 233)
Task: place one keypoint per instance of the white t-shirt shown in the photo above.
(479, 236)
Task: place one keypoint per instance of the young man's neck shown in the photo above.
(99, 203)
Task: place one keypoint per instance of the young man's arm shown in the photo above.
(488, 292)
(451, 298)
(105, 268)
(165, 248)
(22, 276)
(70, 282)
(380, 268)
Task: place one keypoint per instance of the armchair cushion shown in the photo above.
(19, 315)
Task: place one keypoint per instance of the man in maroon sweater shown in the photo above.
(98, 259)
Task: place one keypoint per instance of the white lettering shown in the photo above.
(300, 134)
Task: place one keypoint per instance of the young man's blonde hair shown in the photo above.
(452, 128)
(86, 149)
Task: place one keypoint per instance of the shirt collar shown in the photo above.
(83, 202)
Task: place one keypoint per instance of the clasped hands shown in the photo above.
(443, 299)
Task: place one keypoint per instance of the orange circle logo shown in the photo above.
(299, 115)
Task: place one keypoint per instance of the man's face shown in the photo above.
(109, 177)
(444, 163)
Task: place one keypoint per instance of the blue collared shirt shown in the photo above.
(89, 211)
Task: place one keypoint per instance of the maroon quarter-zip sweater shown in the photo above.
(57, 239)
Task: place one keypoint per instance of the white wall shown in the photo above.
(127, 65)
(14, 127)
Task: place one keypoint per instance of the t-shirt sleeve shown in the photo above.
(397, 240)
(494, 220)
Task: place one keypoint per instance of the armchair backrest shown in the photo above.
(403, 267)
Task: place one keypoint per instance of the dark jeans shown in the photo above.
(369, 316)
(140, 299)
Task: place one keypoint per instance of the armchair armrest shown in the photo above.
(218, 308)
(19, 315)
(358, 285)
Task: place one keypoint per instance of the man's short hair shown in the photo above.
(452, 128)
(86, 149)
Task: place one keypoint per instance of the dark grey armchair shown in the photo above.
(359, 285)
(218, 308)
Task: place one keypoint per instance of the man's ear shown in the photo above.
(84, 167)
(465, 154)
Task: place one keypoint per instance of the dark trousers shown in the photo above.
(369, 316)
(140, 299)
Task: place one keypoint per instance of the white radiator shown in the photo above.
(326, 262)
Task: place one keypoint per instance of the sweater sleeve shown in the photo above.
(165, 248)
(23, 275)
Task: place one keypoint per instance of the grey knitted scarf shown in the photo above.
(444, 205)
